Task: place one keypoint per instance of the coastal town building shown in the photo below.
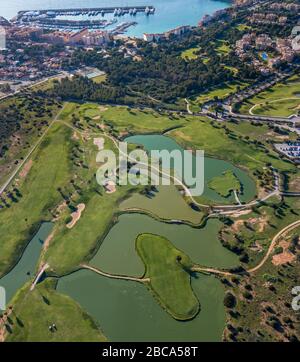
(179, 31)
(263, 51)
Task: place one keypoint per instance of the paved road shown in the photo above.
(57, 76)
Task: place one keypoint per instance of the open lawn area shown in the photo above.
(22, 123)
(100, 78)
(33, 195)
(125, 120)
(223, 48)
(168, 269)
(282, 100)
(225, 143)
(190, 54)
(221, 92)
(243, 27)
(225, 184)
(34, 311)
(70, 247)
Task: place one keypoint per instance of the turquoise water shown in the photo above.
(169, 13)
(26, 267)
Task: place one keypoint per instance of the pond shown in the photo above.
(26, 267)
(212, 168)
(126, 311)
(166, 202)
(117, 254)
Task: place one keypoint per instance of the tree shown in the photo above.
(229, 300)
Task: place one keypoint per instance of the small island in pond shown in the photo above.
(225, 184)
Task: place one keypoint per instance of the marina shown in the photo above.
(52, 13)
(167, 14)
(81, 18)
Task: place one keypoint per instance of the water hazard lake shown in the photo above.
(212, 167)
(126, 310)
(26, 267)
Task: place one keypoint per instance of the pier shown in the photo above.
(132, 10)
(73, 24)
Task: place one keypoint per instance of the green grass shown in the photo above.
(29, 132)
(99, 78)
(121, 119)
(233, 70)
(283, 107)
(243, 27)
(228, 143)
(225, 184)
(221, 92)
(190, 54)
(283, 100)
(71, 247)
(43, 86)
(34, 311)
(215, 142)
(50, 170)
(223, 48)
(170, 280)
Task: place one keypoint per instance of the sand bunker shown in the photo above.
(102, 108)
(76, 216)
(99, 142)
(110, 187)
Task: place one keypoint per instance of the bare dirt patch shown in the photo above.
(285, 257)
(26, 169)
(59, 210)
(102, 126)
(3, 322)
(99, 142)
(237, 225)
(96, 118)
(76, 216)
(259, 223)
(75, 136)
(241, 213)
(110, 187)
